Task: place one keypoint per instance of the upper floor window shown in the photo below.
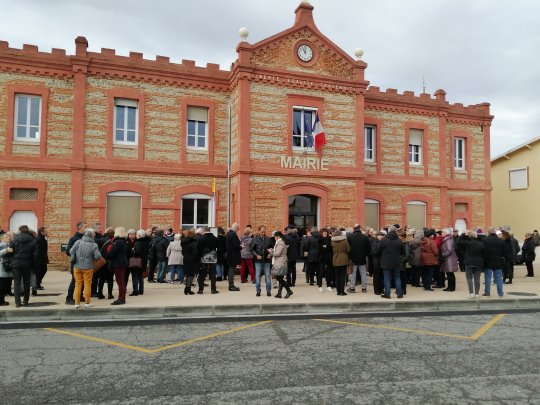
(369, 144)
(125, 121)
(459, 153)
(302, 130)
(519, 178)
(415, 146)
(27, 117)
(197, 128)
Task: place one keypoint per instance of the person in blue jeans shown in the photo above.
(261, 255)
(391, 249)
(159, 246)
(497, 252)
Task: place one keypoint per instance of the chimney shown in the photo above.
(304, 14)
(81, 45)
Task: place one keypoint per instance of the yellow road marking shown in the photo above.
(159, 349)
(474, 336)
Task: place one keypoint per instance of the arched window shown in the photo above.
(371, 213)
(124, 209)
(197, 210)
(416, 214)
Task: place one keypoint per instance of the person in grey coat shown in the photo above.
(83, 253)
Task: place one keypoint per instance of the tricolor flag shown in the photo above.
(318, 133)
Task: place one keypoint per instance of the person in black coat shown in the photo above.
(360, 249)
(159, 250)
(292, 240)
(374, 257)
(233, 254)
(474, 252)
(221, 265)
(207, 251)
(497, 252)
(528, 254)
(391, 251)
(43, 249)
(326, 255)
(81, 227)
(191, 260)
(140, 249)
(311, 253)
(117, 256)
(105, 274)
(25, 259)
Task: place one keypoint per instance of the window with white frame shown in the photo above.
(369, 143)
(197, 128)
(459, 153)
(415, 146)
(125, 121)
(196, 211)
(27, 117)
(302, 130)
(519, 178)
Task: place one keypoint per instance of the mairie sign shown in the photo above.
(304, 162)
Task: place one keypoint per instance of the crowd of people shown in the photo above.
(334, 259)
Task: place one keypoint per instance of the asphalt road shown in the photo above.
(418, 360)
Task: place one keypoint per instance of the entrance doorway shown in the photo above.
(19, 218)
(303, 210)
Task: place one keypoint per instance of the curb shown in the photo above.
(215, 312)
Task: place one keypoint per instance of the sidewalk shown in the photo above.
(166, 300)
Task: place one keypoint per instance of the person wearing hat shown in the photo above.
(496, 255)
(528, 253)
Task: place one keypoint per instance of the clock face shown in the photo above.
(305, 53)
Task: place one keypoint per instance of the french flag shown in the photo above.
(318, 133)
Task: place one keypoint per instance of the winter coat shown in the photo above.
(25, 252)
(474, 250)
(340, 251)
(207, 248)
(416, 246)
(160, 248)
(260, 247)
(43, 248)
(292, 239)
(326, 254)
(142, 249)
(360, 247)
(76, 236)
(85, 251)
(191, 259)
(429, 253)
(511, 249)
(245, 244)
(527, 251)
(311, 246)
(391, 250)
(4, 256)
(117, 255)
(222, 246)
(374, 255)
(496, 252)
(448, 256)
(233, 249)
(279, 254)
(174, 253)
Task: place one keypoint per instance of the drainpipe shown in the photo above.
(229, 166)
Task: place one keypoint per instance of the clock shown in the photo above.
(305, 53)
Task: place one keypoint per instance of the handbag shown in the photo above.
(135, 262)
(279, 271)
(99, 263)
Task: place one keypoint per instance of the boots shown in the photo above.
(278, 295)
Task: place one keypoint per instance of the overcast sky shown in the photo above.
(476, 50)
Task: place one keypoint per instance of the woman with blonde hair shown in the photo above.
(117, 257)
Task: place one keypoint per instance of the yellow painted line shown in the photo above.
(474, 336)
(487, 327)
(212, 335)
(100, 340)
(159, 349)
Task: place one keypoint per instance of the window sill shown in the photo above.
(309, 151)
(197, 150)
(415, 164)
(29, 142)
(459, 170)
(370, 162)
(125, 146)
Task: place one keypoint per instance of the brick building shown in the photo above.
(137, 142)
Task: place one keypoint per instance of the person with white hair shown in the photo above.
(141, 250)
(83, 253)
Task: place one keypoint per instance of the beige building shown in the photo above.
(514, 176)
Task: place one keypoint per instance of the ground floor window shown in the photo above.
(371, 213)
(19, 218)
(124, 209)
(196, 211)
(303, 210)
(416, 214)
